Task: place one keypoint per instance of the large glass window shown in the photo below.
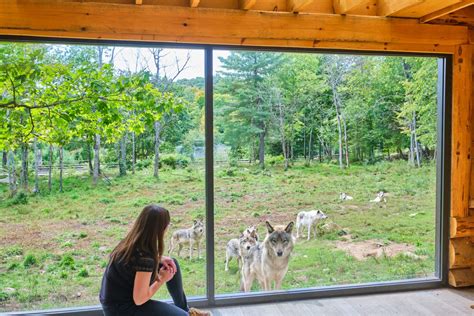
(340, 151)
(326, 168)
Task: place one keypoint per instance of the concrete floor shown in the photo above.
(443, 302)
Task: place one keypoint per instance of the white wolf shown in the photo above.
(379, 198)
(344, 197)
(308, 219)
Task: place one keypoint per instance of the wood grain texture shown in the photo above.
(156, 23)
(461, 253)
(425, 7)
(461, 227)
(446, 10)
(392, 7)
(461, 131)
(461, 277)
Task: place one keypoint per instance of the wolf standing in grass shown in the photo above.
(309, 219)
(268, 262)
(188, 236)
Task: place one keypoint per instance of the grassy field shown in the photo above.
(53, 249)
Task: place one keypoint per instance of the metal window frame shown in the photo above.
(443, 169)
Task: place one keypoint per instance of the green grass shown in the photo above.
(54, 248)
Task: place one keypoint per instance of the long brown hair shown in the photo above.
(147, 234)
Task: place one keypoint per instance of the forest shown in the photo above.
(269, 107)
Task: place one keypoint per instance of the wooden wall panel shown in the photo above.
(461, 246)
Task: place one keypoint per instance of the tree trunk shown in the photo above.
(415, 142)
(304, 143)
(133, 153)
(89, 159)
(37, 154)
(96, 158)
(261, 148)
(61, 168)
(345, 140)
(310, 146)
(50, 171)
(24, 166)
(4, 159)
(123, 156)
(157, 149)
(11, 172)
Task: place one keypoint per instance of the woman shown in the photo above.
(137, 269)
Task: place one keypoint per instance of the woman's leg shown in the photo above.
(175, 288)
(157, 308)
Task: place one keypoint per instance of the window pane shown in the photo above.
(54, 245)
(343, 145)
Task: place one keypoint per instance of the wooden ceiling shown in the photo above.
(457, 12)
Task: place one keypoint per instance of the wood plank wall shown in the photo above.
(461, 245)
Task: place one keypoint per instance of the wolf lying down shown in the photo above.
(268, 262)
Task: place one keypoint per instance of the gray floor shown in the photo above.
(445, 302)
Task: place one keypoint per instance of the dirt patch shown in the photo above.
(362, 250)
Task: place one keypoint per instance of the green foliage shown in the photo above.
(67, 261)
(83, 273)
(274, 160)
(29, 261)
(21, 198)
(174, 161)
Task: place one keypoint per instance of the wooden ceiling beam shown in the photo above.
(297, 5)
(247, 4)
(391, 7)
(447, 10)
(138, 1)
(167, 23)
(423, 8)
(349, 6)
(194, 3)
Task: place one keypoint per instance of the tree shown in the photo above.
(246, 72)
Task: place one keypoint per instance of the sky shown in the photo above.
(136, 59)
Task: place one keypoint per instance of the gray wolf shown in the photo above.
(308, 219)
(268, 262)
(191, 236)
(238, 246)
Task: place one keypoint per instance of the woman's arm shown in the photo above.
(142, 290)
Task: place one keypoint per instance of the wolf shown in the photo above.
(268, 262)
(236, 247)
(309, 219)
(379, 198)
(188, 236)
(344, 197)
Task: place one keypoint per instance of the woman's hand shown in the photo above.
(169, 264)
(165, 274)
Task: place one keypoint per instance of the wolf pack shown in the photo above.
(265, 261)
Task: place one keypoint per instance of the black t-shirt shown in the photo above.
(119, 277)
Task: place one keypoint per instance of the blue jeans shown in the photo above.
(152, 307)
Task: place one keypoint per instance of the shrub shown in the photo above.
(30, 260)
(83, 273)
(20, 198)
(67, 261)
(143, 164)
(273, 160)
(174, 161)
